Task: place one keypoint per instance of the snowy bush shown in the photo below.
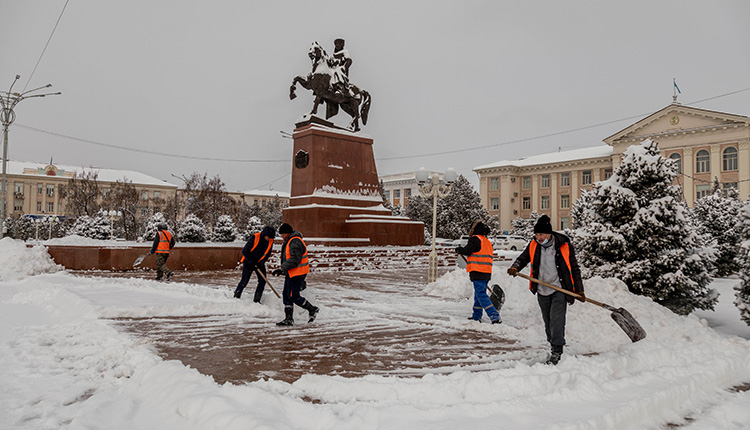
(149, 230)
(191, 229)
(525, 226)
(96, 227)
(716, 216)
(224, 231)
(634, 228)
(254, 225)
(742, 296)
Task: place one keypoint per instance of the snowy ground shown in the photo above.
(67, 362)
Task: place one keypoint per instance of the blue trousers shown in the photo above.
(291, 294)
(482, 302)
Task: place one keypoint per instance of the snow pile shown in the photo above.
(19, 261)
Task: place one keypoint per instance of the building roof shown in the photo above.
(105, 175)
(553, 157)
(267, 193)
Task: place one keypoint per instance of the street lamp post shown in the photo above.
(435, 188)
(112, 215)
(8, 101)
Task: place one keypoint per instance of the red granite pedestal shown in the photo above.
(335, 195)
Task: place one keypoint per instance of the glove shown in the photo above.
(583, 296)
(277, 272)
(512, 271)
(150, 253)
(458, 250)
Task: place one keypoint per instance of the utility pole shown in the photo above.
(8, 101)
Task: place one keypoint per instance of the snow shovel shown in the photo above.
(139, 260)
(266, 279)
(497, 295)
(622, 317)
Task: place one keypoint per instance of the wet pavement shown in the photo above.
(370, 323)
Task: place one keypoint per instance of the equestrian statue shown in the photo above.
(329, 83)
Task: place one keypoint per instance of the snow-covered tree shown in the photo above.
(525, 226)
(716, 216)
(742, 295)
(225, 231)
(254, 225)
(96, 227)
(191, 229)
(637, 230)
(149, 230)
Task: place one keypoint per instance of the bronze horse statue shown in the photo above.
(330, 84)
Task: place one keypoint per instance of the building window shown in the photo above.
(729, 185)
(38, 207)
(39, 189)
(701, 191)
(50, 207)
(677, 159)
(607, 174)
(19, 188)
(565, 179)
(157, 194)
(50, 190)
(396, 197)
(702, 161)
(18, 205)
(494, 204)
(494, 184)
(586, 177)
(526, 205)
(545, 202)
(407, 195)
(255, 202)
(564, 223)
(144, 195)
(105, 192)
(565, 201)
(545, 181)
(526, 183)
(729, 160)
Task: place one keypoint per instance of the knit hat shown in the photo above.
(543, 225)
(285, 228)
(268, 231)
(480, 229)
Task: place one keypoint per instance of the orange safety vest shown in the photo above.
(481, 261)
(564, 250)
(165, 238)
(304, 267)
(256, 241)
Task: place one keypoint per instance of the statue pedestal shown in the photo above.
(335, 196)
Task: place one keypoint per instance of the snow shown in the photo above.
(65, 365)
(553, 157)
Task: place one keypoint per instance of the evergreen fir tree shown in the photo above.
(149, 230)
(637, 230)
(224, 231)
(524, 227)
(254, 225)
(192, 229)
(742, 295)
(96, 227)
(716, 216)
(457, 211)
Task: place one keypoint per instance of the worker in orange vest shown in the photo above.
(479, 252)
(295, 266)
(254, 257)
(163, 243)
(553, 260)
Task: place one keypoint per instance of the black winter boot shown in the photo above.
(258, 295)
(289, 320)
(312, 310)
(556, 355)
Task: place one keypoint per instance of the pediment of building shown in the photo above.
(676, 119)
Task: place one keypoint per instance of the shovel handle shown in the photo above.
(266, 279)
(556, 288)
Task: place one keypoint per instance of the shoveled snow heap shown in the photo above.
(64, 366)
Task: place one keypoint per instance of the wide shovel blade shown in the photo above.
(139, 260)
(497, 297)
(622, 317)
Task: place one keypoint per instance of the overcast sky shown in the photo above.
(210, 79)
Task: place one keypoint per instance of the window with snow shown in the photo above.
(729, 159)
(702, 161)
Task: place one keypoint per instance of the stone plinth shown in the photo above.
(335, 191)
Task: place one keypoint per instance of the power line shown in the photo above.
(145, 151)
(269, 183)
(46, 45)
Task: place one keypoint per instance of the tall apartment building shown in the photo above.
(705, 144)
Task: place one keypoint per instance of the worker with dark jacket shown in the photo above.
(553, 260)
(295, 266)
(163, 243)
(256, 252)
(479, 253)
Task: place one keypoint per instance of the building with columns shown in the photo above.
(705, 145)
(398, 188)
